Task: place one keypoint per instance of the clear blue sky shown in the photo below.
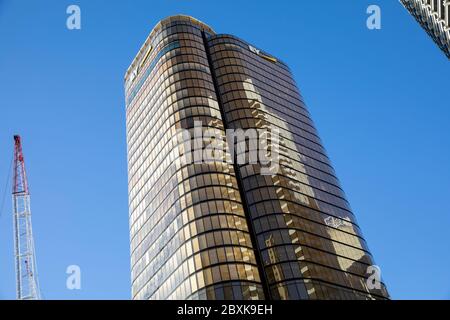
(379, 99)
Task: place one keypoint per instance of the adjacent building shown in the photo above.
(434, 17)
(225, 229)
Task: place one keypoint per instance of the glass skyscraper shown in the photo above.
(221, 229)
(434, 17)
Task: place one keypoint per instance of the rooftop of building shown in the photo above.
(157, 27)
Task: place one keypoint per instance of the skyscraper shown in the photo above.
(223, 229)
(434, 17)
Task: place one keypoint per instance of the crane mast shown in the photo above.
(27, 286)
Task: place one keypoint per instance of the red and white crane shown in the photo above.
(27, 285)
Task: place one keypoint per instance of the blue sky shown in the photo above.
(379, 99)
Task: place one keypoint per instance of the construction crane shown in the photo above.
(27, 285)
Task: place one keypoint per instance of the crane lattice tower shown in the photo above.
(27, 285)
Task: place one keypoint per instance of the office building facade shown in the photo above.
(434, 17)
(225, 229)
